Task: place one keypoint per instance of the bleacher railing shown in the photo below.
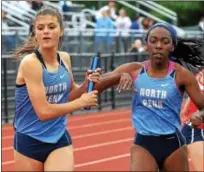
(80, 40)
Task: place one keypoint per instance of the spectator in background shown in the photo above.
(201, 23)
(135, 28)
(111, 6)
(138, 47)
(135, 24)
(147, 23)
(123, 24)
(36, 5)
(103, 39)
(65, 7)
(9, 39)
(4, 27)
(4, 24)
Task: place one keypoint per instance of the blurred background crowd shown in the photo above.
(104, 26)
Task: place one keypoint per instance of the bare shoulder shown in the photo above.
(30, 62)
(183, 74)
(65, 57)
(181, 70)
(30, 68)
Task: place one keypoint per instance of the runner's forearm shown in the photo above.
(108, 80)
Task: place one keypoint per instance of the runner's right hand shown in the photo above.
(125, 82)
(89, 99)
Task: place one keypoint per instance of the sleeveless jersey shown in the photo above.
(58, 85)
(156, 103)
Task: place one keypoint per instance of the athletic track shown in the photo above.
(101, 141)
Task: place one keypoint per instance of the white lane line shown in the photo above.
(87, 135)
(87, 163)
(89, 116)
(100, 123)
(103, 144)
(103, 160)
(86, 126)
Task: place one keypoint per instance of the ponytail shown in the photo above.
(28, 47)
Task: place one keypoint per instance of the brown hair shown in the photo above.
(31, 45)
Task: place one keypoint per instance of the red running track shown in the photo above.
(101, 141)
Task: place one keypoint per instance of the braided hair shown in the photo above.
(189, 52)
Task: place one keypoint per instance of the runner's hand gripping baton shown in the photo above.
(94, 65)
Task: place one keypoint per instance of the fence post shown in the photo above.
(5, 89)
(112, 66)
(81, 43)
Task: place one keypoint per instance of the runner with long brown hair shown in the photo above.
(45, 94)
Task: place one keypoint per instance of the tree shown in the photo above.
(189, 13)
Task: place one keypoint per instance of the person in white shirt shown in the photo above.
(201, 24)
(111, 7)
(123, 24)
